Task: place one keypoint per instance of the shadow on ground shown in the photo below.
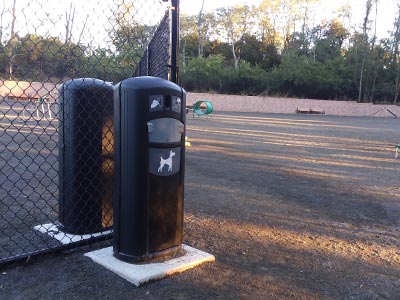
(293, 207)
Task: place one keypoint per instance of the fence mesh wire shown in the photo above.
(155, 62)
(56, 134)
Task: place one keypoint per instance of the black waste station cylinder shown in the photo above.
(86, 148)
(149, 168)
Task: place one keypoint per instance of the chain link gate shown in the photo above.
(56, 133)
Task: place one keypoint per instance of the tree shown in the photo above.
(395, 54)
(297, 44)
(374, 58)
(69, 23)
(12, 42)
(40, 58)
(344, 14)
(267, 18)
(271, 57)
(304, 11)
(250, 49)
(200, 24)
(235, 22)
(3, 10)
(102, 64)
(130, 37)
(288, 20)
(220, 47)
(365, 45)
(329, 44)
(188, 36)
(203, 73)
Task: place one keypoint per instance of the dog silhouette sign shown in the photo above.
(167, 161)
(164, 162)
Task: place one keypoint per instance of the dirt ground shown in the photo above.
(292, 207)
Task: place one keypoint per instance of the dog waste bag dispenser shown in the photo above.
(85, 160)
(149, 168)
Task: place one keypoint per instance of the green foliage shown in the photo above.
(102, 64)
(210, 74)
(203, 74)
(330, 45)
(324, 61)
(37, 58)
(236, 50)
(217, 47)
(247, 79)
(306, 78)
(251, 49)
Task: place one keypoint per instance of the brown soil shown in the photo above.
(292, 207)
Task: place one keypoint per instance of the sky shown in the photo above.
(193, 6)
(93, 18)
(386, 10)
(47, 17)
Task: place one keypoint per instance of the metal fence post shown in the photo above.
(175, 41)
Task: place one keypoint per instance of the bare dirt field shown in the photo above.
(292, 207)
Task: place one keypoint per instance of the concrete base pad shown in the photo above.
(66, 238)
(140, 274)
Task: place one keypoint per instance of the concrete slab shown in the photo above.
(66, 238)
(140, 274)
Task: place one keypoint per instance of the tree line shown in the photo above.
(35, 57)
(274, 48)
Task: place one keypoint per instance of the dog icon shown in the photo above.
(167, 161)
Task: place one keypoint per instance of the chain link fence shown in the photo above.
(60, 61)
(154, 61)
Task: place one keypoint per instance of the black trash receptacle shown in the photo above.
(149, 168)
(86, 148)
